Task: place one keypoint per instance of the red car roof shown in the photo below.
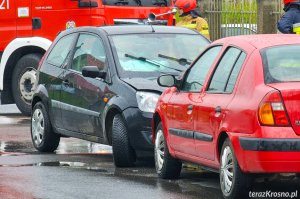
(262, 40)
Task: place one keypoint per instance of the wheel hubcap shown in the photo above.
(28, 84)
(37, 127)
(159, 149)
(226, 174)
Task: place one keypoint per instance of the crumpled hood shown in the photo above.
(144, 84)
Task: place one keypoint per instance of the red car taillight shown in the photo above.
(272, 112)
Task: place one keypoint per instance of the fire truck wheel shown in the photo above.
(24, 81)
(123, 153)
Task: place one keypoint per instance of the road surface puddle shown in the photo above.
(75, 165)
(11, 154)
(209, 184)
(66, 146)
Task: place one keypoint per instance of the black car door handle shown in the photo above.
(218, 109)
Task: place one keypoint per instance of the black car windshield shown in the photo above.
(278, 68)
(149, 55)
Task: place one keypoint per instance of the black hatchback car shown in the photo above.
(99, 84)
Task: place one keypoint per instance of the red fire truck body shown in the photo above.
(28, 27)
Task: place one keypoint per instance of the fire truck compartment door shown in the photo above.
(7, 22)
(24, 18)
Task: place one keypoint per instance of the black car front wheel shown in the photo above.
(43, 137)
(123, 153)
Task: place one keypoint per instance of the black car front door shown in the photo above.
(51, 75)
(84, 97)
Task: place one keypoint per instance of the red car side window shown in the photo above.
(197, 74)
(229, 65)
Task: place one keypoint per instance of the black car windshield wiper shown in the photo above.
(181, 61)
(155, 63)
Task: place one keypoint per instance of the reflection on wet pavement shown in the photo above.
(13, 147)
(73, 146)
(66, 146)
(11, 154)
(75, 165)
(5, 120)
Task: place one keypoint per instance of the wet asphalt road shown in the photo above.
(82, 169)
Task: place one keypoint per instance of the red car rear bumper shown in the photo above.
(267, 155)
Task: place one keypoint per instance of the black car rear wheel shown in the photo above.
(43, 137)
(166, 166)
(123, 153)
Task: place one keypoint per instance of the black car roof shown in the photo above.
(127, 29)
(136, 29)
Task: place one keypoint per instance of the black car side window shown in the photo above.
(196, 75)
(61, 51)
(227, 69)
(89, 51)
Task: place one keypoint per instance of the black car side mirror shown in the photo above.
(93, 72)
(167, 81)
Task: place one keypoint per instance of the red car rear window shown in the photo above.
(281, 64)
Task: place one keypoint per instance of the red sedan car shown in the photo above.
(236, 110)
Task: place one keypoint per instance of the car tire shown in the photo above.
(166, 166)
(24, 81)
(42, 135)
(234, 183)
(123, 153)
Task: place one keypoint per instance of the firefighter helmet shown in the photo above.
(185, 5)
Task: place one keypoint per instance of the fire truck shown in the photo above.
(28, 27)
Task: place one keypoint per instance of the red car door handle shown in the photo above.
(218, 109)
(190, 110)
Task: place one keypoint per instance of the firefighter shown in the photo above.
(288, 24)
(190, 18)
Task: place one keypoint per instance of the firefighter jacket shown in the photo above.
(290, 17)
(196, 23)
